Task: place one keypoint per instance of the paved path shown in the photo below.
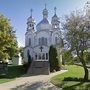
(39, 82)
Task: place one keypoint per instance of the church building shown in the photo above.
(39, 38)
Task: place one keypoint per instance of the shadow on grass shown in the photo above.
(75, 84)
(13, 72)
(74, 79)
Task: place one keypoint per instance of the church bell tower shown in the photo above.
(30, 22)
(55, 21)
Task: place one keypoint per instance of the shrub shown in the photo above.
(53, 60)
(26, 65)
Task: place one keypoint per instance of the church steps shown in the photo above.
(39, 67)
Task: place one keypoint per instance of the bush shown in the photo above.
(3, 67)
(26, 65)
(53, 60)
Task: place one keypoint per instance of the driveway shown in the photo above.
(26, 82)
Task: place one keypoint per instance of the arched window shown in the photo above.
(56, 40)
(39, 41)
(42, 41)
(28, 53)
(36, 56)
(43, 56)
(39, 56)
(46, 56)
(30, 25)
(45, 41)
(29, 41)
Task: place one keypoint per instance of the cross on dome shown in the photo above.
(31, 11)
(45, 12)
(45, 5)
(55, 9)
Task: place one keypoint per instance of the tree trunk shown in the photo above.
(86, 74)
(85, 69)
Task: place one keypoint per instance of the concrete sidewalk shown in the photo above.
(39, 82)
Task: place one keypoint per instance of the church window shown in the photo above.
(28, 53)
(45, 41)
(39, 41)
(29, 41)
(56, 40)
(39, 56)
(36, 56)
(46, 56)
(30, 25)
(43, 56)
(42, 41)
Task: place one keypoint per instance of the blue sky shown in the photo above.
(19, 10)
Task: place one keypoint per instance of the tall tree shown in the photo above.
(8, 42)
(53, 59)
(77, 27)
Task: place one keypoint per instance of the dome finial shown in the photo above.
(55, 10)
(31, 11)
(45, 5)
(45, 12)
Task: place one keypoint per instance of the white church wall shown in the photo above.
(38, 51)
(30, 36)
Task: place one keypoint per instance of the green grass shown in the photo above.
(13, 72)
(71, 80)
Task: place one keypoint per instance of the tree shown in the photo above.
(87, 57)
(8, 42)
(54, 62)
(67, 57)
(77, 28)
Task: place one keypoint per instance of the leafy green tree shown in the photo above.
(67, 57)
(77, 27)
(87, 57)
(54, 62)
(8, 42)
(51, 61)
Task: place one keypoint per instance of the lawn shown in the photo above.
(71, 80)
(13, 72)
